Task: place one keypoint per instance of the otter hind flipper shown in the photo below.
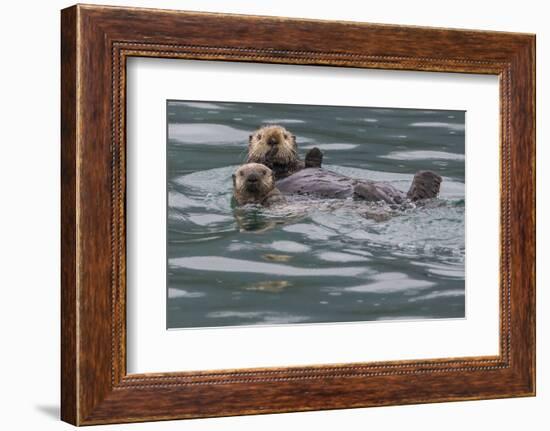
(425, 185)
(372, 191)
(314, 158)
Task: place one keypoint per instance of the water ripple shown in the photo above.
(423, 155)
(226, 264)
(391, 283)
(453, 126)
(205, 133)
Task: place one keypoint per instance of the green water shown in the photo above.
(312, 261)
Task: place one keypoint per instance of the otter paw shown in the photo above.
(314, 158)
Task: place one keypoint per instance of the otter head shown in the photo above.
(272, 145)
(252, 183)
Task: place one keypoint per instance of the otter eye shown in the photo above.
(241, 173)
(264, 172)
(286, 136)
(259, 136)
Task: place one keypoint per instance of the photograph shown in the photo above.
(285, 214)
(303, 214)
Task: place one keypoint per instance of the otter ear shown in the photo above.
(234, 180)
(250, 138)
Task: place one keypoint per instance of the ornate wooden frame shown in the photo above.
(95, 43)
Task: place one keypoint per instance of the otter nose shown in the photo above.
(252, 178)
(272, 141)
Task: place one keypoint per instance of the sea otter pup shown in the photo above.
(275, 147)
(253, 183)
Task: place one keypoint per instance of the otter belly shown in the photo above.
(326, 184)
(317, 182)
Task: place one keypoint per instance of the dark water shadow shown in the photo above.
(52, 411)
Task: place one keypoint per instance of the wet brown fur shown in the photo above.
(262, 191)
(281, 157)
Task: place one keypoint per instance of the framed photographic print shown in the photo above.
(264, 215)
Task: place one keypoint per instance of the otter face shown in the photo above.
(272, 145)
(252, 182)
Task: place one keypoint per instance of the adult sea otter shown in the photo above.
(276, 148)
